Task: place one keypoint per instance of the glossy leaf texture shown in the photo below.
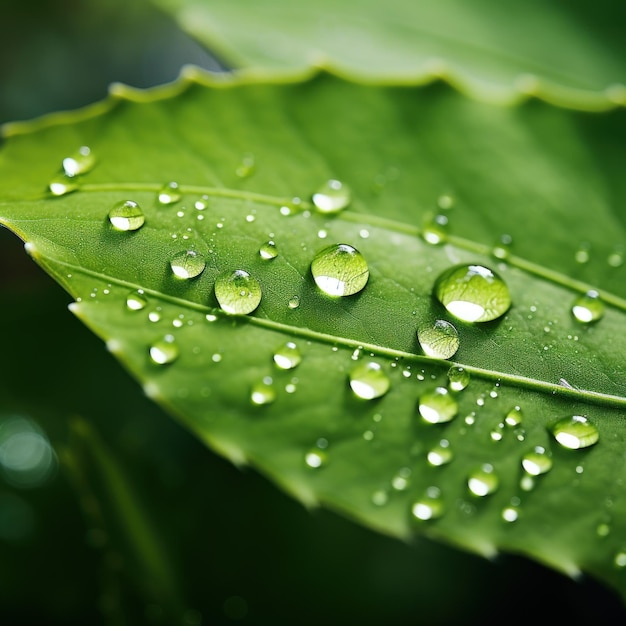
(569, 54)
(224, 172)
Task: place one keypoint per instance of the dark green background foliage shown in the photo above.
(137, 492)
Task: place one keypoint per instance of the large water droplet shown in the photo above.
(537, 461)
(126, 216)
(61, 185)
(340, 270)
(187, 264)
(332, 197)
(472, 293)
(81, 162)
(437, 406)
(268, 251)
(429, 506)
(135, 301)
(458, 378)
(588, 307)
(368, 380)
(439, 340)
(164, 350)
(483, 480)
(263, 392)
(238, 293)
(169, 193)
(287, 356)
(574, 432)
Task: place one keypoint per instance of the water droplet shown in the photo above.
(61, 185)
(202, 203)
(435, 230)
(380, 497)
(483, 480)
(316, 458)
(332, 197)
(164, 350)
(263, 392)
(81, 162)
(437, 406)
(368, 380)
(429, 506)
(135, 300)
(574, 432)
(287, 356)
(514, 417)
(402, 479)
(502, 249)
(537, 461)
(154, 316)
(616, 258)
(620, 559)
(510, 513)
(458, 378)
(582, 255)
(588, 307)
(340, 270)
(246, 167)
(126, 216)
(439, 340)
(441, 454)
(472, 293)
(268, 251)
(238, 293)
(294, 302)
(187, 264)
(169, 193)
(445, 201)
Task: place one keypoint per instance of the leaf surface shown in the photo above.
(242, 151)
(568, 54)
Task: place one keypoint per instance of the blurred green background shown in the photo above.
(90, 470)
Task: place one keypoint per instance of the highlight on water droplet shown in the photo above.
(332, 196)
(483, 481)
(537, 461)
(435, 230)
(61, 185)
(340, 270)
(458, 378)
(126, 215)
(263, 392)
(439, 339)
(268, 251)
(472, 293)
(440, 454)
(437, 406)
(429, 506)
(169, 194)
(187, 264)
(287, 356)
(135, 300)
(368, 380)
(588, 307)
(80, 162)
(237, 292)
(164, 350)
(574, 432)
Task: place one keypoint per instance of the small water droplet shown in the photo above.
(514, 417)
(368, 380)
(237, 292)
(429, 506)
(164, 350)
(126, 216)
(441, 454)
(316, 458)
(364, 233)
(380, 497)
(437, 406)
(483, 480)
(294, 302)
(574, 432)
(340, 270)
(287, 356)
(154, 316)
(187, 264)
(169, 193)
(263, 392)
(202, 203)
(588, 307)
(81, 162)
(620, 559)
(472, 293)
(246, 167)
(435, 230)
(445, 201)
(332, 197)
(616, 258)
(135, 300)
(510, 513)
(582, 255)
(402, 479)
(537, 461)
(61, 185)
(502, 248)
(439, 339)
(458, 378)
(268, 251)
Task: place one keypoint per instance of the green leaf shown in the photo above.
(571, 55)
(240, 152)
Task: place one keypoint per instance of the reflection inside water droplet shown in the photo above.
(340, 270)
(368, 380)
(332, 197)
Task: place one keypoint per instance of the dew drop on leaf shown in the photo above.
(169, 193)
(126, 216)
(458, 378)
(472, 293)
(287, 356)
(246, 168)
(537, 461)
(268, 251)
(61, 185)
(135, 300)
(502, 248)
(316, 458)
(237, 292)
(294, 302)
(437, 406)
(429, 506)
(588, 307)
(332, 196)
(263, 392)
(164, 350)
(574, 432)
(435, 230)
(513, 417)
(368, 380)
(201, 203)
(440, 454)
(187, 264)
(510, 513)
(483, 481)
(340, 270)
(439, 339)
(81, 162)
